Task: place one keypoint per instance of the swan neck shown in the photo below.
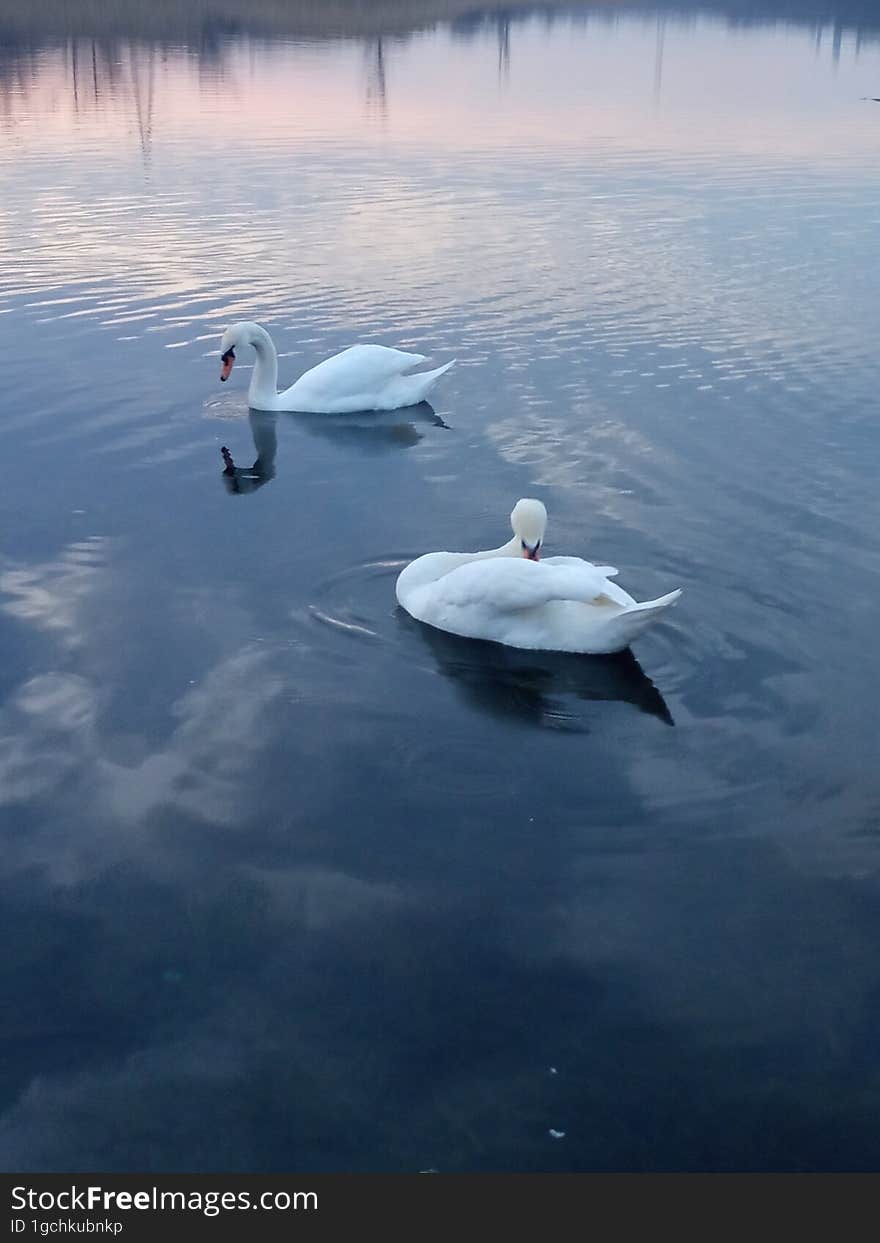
(513, 548)
(264, 381)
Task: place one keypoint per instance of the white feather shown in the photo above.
(363, 377)
(559, 604)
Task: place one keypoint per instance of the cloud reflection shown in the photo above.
(51, 595)
(52, 748)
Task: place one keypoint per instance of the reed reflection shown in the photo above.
(60, 64)
(100, 42)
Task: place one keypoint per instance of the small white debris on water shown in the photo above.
(553, 1070)
(556, 1134)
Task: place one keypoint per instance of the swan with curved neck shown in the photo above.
(363, 377)
(511, 595)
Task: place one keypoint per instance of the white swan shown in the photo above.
(561, 604)
(364, 377)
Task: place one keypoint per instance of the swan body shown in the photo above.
(509, 595)
(363, 377)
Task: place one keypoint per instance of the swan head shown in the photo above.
(235, 336)
(529, 522)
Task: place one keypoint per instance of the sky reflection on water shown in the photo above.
(290, 881)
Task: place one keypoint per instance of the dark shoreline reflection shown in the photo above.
(205, 24)
(209, 27)
(110, 52)
(530, 687)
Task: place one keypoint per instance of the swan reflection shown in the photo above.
(373, 431)
(532, 687)
(243, 479)
(369, 433)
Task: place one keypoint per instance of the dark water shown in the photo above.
(292, 882)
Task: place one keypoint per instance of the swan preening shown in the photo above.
(511, 596)
(364, 377)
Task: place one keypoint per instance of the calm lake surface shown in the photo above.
(290, 881)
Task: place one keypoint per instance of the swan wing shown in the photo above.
(609, 571)
(358, 368)
(510, 584)
(363, 377)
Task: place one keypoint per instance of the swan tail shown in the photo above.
(636, 619)
(425, 380)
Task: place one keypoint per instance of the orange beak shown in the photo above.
(531, 554)
(227, 362)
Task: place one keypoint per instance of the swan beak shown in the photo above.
(227, 361)
(530, 553)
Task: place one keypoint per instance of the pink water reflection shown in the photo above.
(677, 89)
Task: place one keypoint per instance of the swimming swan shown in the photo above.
(364, 377)
(509, 595)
